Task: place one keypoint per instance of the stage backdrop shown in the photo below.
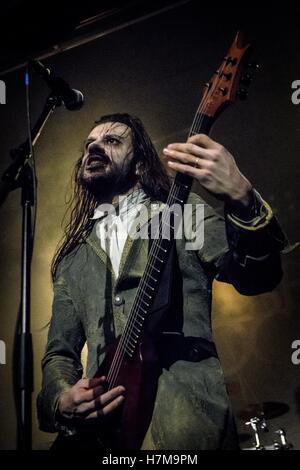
(155, 69)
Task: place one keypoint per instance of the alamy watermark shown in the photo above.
(295, 357)
(296, 94)
(183, 223)
(2, 352)
(2, 92)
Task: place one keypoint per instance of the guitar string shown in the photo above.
(123, 343)
(198, 119)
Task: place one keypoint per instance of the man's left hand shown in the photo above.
(212, 165)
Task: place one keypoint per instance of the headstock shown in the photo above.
(230, 80)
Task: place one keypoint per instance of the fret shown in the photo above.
(136, 328)
(166, 235)
(158, 258)
(159, 247)
(150, 287)
(177, 199)
(168, 225)
(163, 249)
(142, 300)
(136, 313)
(132, 345)
(139, 315)
(182, 185)
(153, 267)
(153, 278)
(144, 292)
(130, 348)
(130, 353)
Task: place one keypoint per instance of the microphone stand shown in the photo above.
(20, 174)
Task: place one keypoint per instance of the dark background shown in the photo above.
(151, 59)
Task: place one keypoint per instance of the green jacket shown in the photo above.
(192, 409)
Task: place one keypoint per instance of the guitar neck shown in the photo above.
(158, 255)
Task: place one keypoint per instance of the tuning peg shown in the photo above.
(246, 79)
(223, 90)
(242, 93)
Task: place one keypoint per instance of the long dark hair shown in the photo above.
(152, 178)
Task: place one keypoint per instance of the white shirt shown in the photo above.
(114, 224)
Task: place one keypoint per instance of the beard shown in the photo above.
(107, 179)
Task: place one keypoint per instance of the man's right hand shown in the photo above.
(87, 399)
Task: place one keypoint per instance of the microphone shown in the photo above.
(72, 99)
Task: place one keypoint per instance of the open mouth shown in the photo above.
(97, 161)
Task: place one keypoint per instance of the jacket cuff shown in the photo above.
(256, 237)
(251, 218)
(47, 403)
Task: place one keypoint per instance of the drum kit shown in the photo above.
(255, 417)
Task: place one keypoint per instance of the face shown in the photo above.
(107, 166)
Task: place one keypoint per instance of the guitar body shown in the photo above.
(126, 427)
(139, 375)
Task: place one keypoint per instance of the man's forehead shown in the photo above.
(116, 128)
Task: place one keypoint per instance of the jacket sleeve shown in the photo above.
(61, 364)
(246, 253)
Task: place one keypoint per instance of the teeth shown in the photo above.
(99, 160)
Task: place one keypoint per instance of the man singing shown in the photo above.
(98, 266)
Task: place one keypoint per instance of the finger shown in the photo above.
(107, 397)
(187, 151)
(204, 141)
(113, 405)
(191, 160)
(82, 392)
(107, 409)
(91, 383)
(96, 380)
(84, 407)
(88, 407)
(189, 170)
(84, 395)
(93, 393)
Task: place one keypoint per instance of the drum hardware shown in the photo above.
(259, 424)
(256, 425)
(282, 444)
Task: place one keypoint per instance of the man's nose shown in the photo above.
(96, 146)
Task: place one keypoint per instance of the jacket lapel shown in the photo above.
(135, 250)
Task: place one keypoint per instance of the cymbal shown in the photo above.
(268, 410)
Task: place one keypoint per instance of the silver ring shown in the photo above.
(196, 163)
